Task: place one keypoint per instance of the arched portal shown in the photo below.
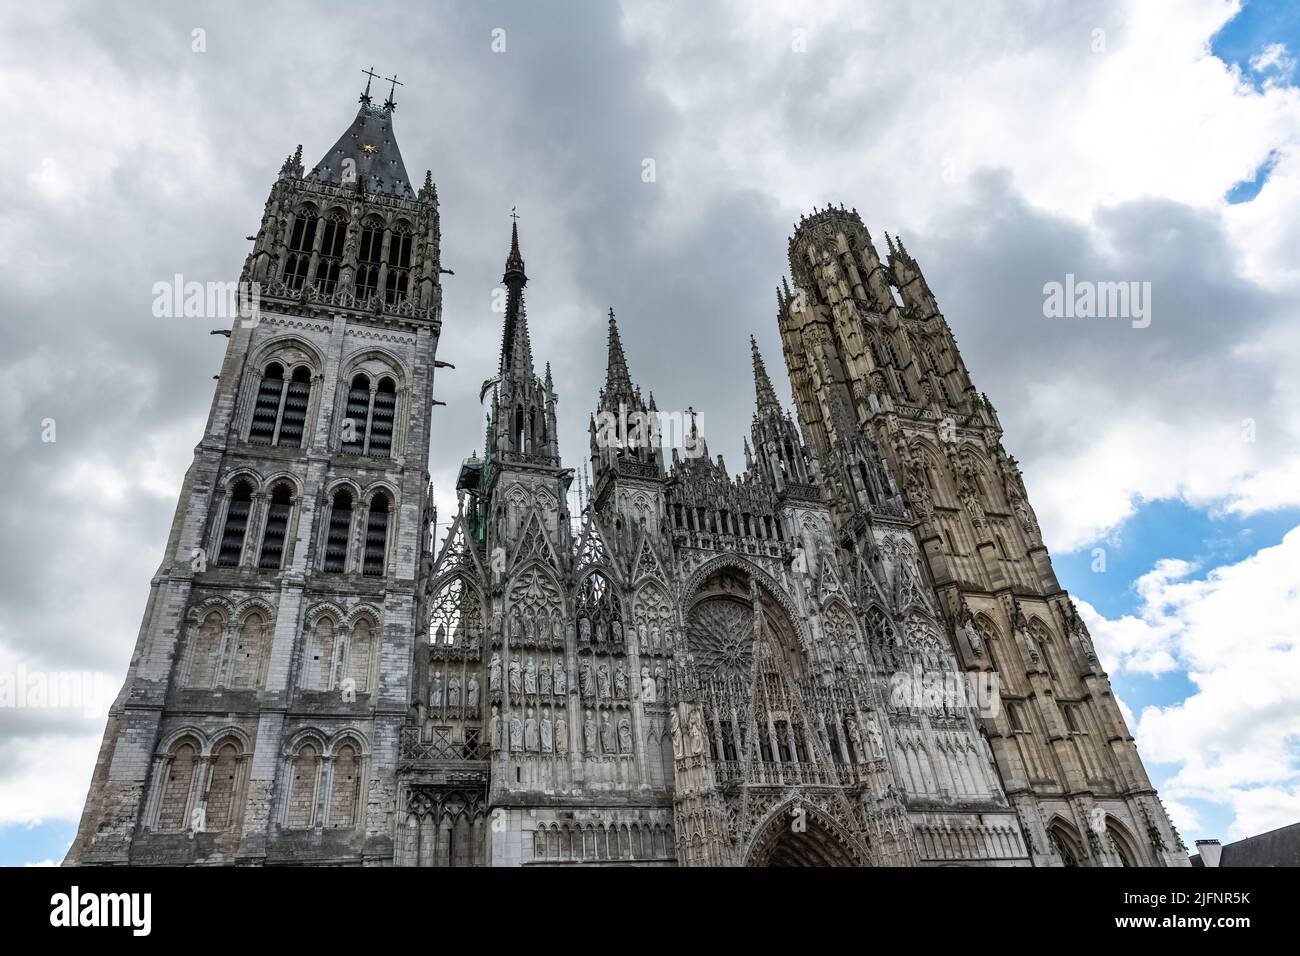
(800, 836)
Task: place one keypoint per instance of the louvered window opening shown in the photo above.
(232, 536)
(336, 541)
(277, 528)
(376, 536)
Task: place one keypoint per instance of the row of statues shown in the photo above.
(534, 734)
(452, 695)
(596, 680)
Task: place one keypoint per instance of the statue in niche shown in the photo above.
(598, 632)
(675, 727)
(516, 680)
(494, 674)
(585, 679)
(647, 686)
(584, 631)
(530, 677)
(494, 729)
(855, 739)
(589, 734)
(607, 734)
(616, 631)
(530, 732)
(557, 633)
(624, 735)
(655, 640)
(516, 628)
(516, 733)
(561, 734)
(440, 635)
(471, 696)
(661, 683)
(643, 637)
(560, 679)
(697, 732)
(548, 740)
(544, 677)
(453, 691)
(877, 739)
(435, 690)
(602, 680)
(620, 681)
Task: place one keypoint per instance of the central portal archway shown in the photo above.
(807, 839)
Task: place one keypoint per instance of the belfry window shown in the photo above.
(280, 408)
(368, 428)
(232, 535)
(340, 528)
(368, 260)
(334, 229)
(397, 282)
(277, 527)
(301, 237)
(376, 536)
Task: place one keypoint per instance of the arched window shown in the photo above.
(1120, 841)
(320, 662)
(380, 428)
(222, 804)
(345, 788)
(277, 527)
(369, 258)
(358, 415)
(301, 237)
(399, 264)
(376, 545)
(303, 779)
(249, 652)
(335, 228)
(207, 651)
(266, 409)
(182, 763)
(360, 650)
(1066, 844)
(456, 619)
(340, 528)
(232, 536)
(280, 409)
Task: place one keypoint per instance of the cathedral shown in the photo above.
(853, 653)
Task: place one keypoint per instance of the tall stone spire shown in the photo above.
(762, 384)
(516, 349)
(618, 381)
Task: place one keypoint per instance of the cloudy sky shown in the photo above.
(1010, 144)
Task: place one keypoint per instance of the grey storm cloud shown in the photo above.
(558, 126)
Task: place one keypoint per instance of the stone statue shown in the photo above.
(697, 733)
(616, 630)
(453, 691)
(655, 644)
(494, 729)
(589, 734)
(471, 696)
(607, 735)
(544, 677)
(560, 679)
(584, 631)
(647, 686)
(877, 739)
(855, 738)
(516, 682)
(561, 734)
(516, 733)
(661, 683)
(602, 679)
(624, 735)
(494, 674)
(675, 727)
(585, 680)
(530, 732)
(547, 729)
(620, 681)
(530, 677)
(435, 690)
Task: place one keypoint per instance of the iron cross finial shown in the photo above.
(514, 215)
(370, 74)
(391, 102)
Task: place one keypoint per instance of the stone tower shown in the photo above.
(260, 715)
(873, 361)
(854, 652)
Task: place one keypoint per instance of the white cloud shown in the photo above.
(1236, 633)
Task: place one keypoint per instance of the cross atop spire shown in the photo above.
(390, 104)
(370, 75)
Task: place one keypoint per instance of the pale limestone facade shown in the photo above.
(854, 653)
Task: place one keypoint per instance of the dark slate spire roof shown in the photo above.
(618, 382)
(376, 160)
(514, 261)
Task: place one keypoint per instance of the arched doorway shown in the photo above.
(800, 836)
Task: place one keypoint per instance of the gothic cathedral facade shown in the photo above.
(854, 653)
